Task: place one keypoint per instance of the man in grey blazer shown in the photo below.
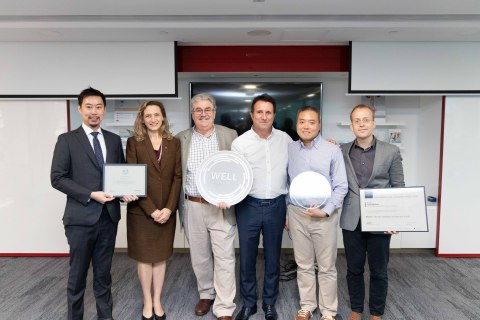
(210, 227)
(91, 216)
(370, 163)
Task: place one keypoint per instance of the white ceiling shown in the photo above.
(229, 21)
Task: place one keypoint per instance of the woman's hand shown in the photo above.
(162, 216)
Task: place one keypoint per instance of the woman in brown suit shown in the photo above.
(151, 220)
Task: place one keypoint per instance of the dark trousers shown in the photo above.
(93, 244)
(376, 247)
(255, 216)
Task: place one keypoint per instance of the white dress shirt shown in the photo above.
(268, 159)
(100, 137)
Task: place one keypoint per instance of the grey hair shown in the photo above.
(202, 97)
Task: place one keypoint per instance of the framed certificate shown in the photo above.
(125, 179)
(394, 209)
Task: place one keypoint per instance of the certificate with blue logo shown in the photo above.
(393, 209)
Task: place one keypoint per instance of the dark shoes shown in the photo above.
(270, 312)
(245, 313)
(156, 317)
(203, 306)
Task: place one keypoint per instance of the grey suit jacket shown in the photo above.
(76, 173)
(387, 173)
(225, 136)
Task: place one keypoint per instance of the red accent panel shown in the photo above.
(68, 116)
(263, 58)
(56, 255)
(459, 255)
(439, 203)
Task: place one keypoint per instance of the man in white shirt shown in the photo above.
(264, 209)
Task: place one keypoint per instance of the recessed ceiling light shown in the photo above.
(250, 86)
(259, 33)
(310, 95)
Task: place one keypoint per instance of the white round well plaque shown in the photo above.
(225, 176)
(310, 189)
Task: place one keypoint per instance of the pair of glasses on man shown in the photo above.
(364, 121)
(200, 111)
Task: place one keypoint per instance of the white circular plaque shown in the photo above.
(225, 176)
(310, 189)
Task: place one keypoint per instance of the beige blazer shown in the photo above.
(225, 136)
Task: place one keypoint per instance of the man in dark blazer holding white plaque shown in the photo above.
(91, 216)
(370, 163)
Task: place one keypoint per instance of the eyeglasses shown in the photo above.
(364, 121)
(199, 111)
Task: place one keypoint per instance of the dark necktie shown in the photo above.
(98, 150)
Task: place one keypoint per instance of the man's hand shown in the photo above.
(129, 198)
(223, 205)
(391, 232)
(101, 197)
(315, 212)
(331, 140)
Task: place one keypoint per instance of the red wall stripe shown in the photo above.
(263, 58)
(439, 203)
(56, 255)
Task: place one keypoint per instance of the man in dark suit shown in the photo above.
(370, 163)
(91, 216)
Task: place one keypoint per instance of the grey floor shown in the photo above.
(421, 287)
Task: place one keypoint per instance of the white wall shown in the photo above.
(115, 67)
(459, 214)
(31, 210)
(401, 66)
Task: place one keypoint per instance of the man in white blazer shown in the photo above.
(370, 163)
(210, 228)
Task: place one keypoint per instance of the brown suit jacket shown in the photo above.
(164, 180)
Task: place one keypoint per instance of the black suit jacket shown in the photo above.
(76, 173)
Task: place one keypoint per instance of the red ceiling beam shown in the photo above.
(263, 58)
